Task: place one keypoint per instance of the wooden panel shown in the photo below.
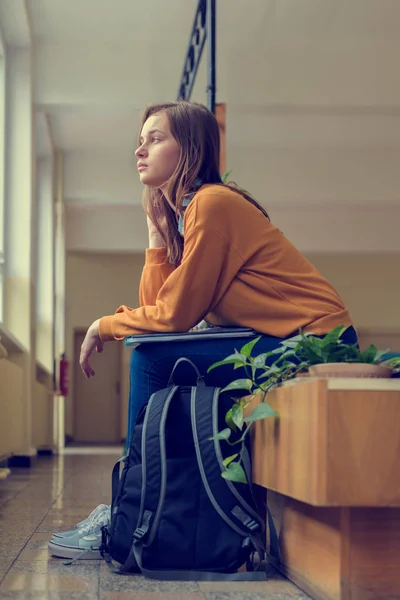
(364, 448)
(339, 553)
(331, 447)
(310, 545)
(371, 571)
(289, 453)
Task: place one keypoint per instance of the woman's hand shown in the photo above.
(92, 341)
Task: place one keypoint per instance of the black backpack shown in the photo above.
(173, 516)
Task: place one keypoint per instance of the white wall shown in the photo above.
(115, 177)
(102, 228)
(334, 228)
(326, 199)
(320, 176)
(369, 284)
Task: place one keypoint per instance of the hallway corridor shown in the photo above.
(54, 495)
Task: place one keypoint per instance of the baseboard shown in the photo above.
(45, 452)
(22, 461)
(4, 458)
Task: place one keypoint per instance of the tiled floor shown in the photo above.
(54, 495)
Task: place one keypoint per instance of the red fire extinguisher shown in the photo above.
(64, 380)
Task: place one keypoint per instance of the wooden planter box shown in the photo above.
(331, 465)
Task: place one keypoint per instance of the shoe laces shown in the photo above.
(96, 520)
(99, 509)
(81, 555)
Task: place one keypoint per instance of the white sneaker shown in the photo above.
(99, 510)
(84, 542)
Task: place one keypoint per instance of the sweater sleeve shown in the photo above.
(155, 272)
(189, 292)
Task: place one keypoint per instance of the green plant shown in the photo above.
(294, 355)
(312, 350)
(225, 176)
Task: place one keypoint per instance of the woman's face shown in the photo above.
(158, 153)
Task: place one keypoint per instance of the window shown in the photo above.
(2, 171)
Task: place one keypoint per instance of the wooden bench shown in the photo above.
(331, 467)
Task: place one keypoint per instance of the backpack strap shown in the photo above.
(204, 410)
(181, 360)
(205, 426)
(196, 575)
(116, 477)
(154, 471)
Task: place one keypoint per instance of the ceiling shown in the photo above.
(282, 66)
(312, 90)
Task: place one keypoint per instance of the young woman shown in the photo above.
(213, 254)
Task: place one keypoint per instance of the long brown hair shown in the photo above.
(196, 130)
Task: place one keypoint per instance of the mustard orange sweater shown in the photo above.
(237, 269)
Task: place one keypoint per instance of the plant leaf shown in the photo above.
(235, 472)
(244, 402)
(237, 415)
(225, 176)
(236, 359)
(291, 344)
(380, 354)
(241, 361)
(284, 356)
(247, 348)
(393, 363)
(259, 361)
(343, 353)
(333, 337)
(288, 363)
(229, 459)
(239, 384)
(369, 354)
(229, 420)
(261, 411)
(271, 371)
(222, 435)
(253, 369)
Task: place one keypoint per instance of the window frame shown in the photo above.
(2, 170)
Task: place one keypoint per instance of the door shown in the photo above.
(97, 400)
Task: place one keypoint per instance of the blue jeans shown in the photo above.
(151, 365)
